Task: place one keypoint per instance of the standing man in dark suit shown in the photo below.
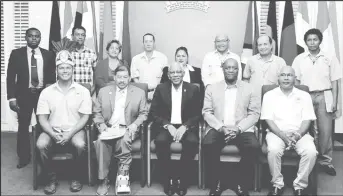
(30, 69)
(176, 110)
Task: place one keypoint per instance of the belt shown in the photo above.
(120, 125)
(320, 91)
(149, 90)
(35, 90)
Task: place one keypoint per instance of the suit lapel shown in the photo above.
(168, 95)
(184, 96)
(128, 95)
(25, 63)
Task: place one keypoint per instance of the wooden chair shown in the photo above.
(36, 130)
(290, 158)
(230, 153)
(176, 149)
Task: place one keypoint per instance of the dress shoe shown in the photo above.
(329, 169)
(298, 192)
(181, 188)
(51, 187)
(75, 186)
(275, 191)
(23, 163)
(169, 187)
(216, 191)
(240, 191)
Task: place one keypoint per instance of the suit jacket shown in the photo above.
(161, 105)
(195, 77)
(247, 110)
(18, 71)
(135, 106)
(101, 73)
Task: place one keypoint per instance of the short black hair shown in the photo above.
(181, 48)
(314, 32)
(153, 37)
(77, 27)
(122, 68)
(111, 42)
(31, 29)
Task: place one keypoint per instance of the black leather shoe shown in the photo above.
(169, 188)
(181, 189)
(329, 169)
(23, 163)
(217, 190)
(240, 191)
(298, 192)
(275, 191)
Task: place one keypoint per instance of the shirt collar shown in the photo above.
(118, 90)
(177, 90)
(29, 50)
(231, 86)
(294, 91)
(85, 48)
(227, 52)
(189, 67)
(259, 57)
(308, 54)
(73, 85)
(145, 56)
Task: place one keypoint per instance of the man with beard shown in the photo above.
(63, 111)
(288, 113)
(320, 72)
(30, 69)
(231, 110)
(175, 111)
(85, 60)
(119, 110)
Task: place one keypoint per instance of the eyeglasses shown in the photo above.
(221, 41)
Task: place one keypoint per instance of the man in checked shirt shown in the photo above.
(85, 60)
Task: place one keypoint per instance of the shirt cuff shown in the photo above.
(12, 99)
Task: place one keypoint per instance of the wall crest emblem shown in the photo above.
(196, 5)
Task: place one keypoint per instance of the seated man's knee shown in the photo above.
(310, 152)
(275, 150)
(42, 145)
(79, 144)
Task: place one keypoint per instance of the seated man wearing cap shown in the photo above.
(118, 111)
(63, 110)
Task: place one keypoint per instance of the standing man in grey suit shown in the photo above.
(30, 70)
(231, 110)
(119, 108)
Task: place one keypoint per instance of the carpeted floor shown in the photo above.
(19, 181)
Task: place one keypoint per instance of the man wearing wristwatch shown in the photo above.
(231, 110)
(176, 110)
(288, 113)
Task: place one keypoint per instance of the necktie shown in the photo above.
(34, 73)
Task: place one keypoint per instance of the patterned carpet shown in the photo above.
(19, 181)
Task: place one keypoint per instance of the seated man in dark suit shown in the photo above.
(231, 109)
(176, 110)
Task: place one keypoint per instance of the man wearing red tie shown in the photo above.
(30, 69)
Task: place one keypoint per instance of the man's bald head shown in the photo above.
(175, 66)
(230, 70)
(287, 69)
(221, 43)
(221, 36)
(286, 78)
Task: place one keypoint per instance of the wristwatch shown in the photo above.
(239, 129)
(166, 126)
(185, 126)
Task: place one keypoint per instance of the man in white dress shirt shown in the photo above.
(211, 70)
(147, 67)
(288, 112)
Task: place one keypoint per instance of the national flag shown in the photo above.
(272, 25)
(251, 34)
(288, 45)
(126, 49)
(55, 25)
(68, 18)
(302, 24)
(106, 32)
(81, 8)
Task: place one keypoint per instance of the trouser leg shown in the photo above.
(162, 142)
(307, 150)
(122, 151)
(44, 145)
(79, 143)
(276, 147)
(323, 127)
(103, 149)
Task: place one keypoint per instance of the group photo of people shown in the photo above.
(123, 123)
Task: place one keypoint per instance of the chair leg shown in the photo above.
(142, 171)
(259, 181)
(89, 160)
(199, 172)
(148, 170)
(203, 172)
(256, 176)
(34, 161)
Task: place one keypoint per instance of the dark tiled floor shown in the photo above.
(19, 181)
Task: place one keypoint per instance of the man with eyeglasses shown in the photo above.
(288, 113)
(211, 71)
(30, 69)
(176, 110)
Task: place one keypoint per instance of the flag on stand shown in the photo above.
(55, 25)
(126, 51)
(106, 32)
(81, 8)
(251, 34)
(272, 25)
(288, 45)
(302, 24)
(68, 18)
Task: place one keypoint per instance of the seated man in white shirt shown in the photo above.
(63, 110)
(119, 110)
(288, 112)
